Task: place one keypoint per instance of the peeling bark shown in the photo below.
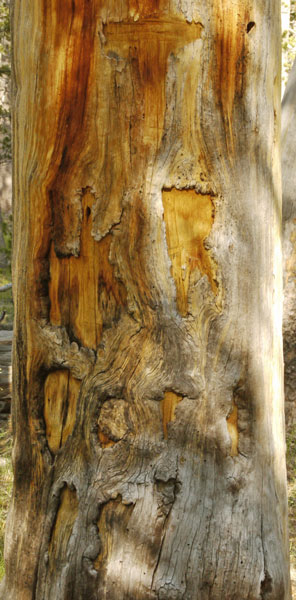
(148, 412)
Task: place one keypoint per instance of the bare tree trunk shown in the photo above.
(148, 407)
(289, 243)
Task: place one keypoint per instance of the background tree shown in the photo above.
(288, 37)
(289, 242)
(5, 72)
(148, 407)
(5, 136)
(289, 315)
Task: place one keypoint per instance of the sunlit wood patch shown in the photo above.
(168, 407)
(61, 392)
(188, 219)
(113, 527)
(65, 519)
(76, 284)
(232, 425)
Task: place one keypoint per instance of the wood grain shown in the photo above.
(147, 274)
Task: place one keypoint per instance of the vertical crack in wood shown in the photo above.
(173, 482)
(112, 525)
(65, 518)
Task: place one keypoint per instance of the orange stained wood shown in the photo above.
(61, 392)
(65, 79)
(54, 132)
(104, 440)
(66, 517)
(168, 407)
(149, 42)
(232, 425)
(230, 20)
(75, 283)
(188, 219)
(144, 8)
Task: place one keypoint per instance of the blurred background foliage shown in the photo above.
(288, 38)
(5, 72)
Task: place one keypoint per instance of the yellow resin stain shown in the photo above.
(168, 407)
(61, 392)
(232, 425)
(189, 218)
(77, 282)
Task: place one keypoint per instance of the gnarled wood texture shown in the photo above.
(147, 278)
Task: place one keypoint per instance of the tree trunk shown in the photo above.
(289, 243)
(148, 408)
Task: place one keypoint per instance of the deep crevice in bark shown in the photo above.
(266, 586)
(250, 26)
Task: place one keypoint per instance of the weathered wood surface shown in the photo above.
(5, 374)
(148, 421)
(289, 243)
